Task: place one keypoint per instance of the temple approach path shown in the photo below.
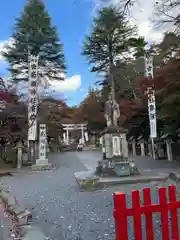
(61, 210)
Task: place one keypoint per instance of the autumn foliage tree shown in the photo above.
(52, 113)
(91, 111)
(166, 83)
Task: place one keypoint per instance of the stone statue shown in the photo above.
(109, 111)
(112, 112)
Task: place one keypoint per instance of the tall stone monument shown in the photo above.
(115, 144)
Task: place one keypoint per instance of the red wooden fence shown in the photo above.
(121, 212)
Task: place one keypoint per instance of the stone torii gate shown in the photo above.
(71, 127)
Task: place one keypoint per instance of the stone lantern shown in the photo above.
(132, 141)
(167, 137)
(19, 147)
(141, 142)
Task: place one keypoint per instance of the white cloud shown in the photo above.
(55, 87)
(141, 15)
(69, 85)
(3, 44)
(2, 47)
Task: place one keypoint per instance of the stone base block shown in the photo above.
(42, 167)
(116, 167)
(87, 179)
(105, 168)
(122, 169)
(42, 161)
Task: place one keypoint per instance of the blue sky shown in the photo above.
(73, 19)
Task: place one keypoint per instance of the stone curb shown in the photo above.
(88, 180)
(131, 180)
(20, 216)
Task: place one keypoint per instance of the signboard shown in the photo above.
(149, 66)
(116, 146)
(151, 98)
(33, 98)
(42, 141)
(152, 112)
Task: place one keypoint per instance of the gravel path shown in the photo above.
(65, 213)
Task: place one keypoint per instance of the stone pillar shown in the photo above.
(101, 141)
(142, 149)
(19, 156)
(86, 136)
(82, 133)
(150, 150)
(93, 140)
(64, 137)
(134, 148)
(103, 152)
(169, 151)
(67, 136)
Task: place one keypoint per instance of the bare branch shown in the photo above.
(167, 14)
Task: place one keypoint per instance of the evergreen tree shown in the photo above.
(111, 37)
(33, 33)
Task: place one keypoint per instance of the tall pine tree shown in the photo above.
(34, 33)
(111, 36)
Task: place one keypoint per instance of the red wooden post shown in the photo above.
(174, 214)
(137, 215)
(148, 215)
(120, 215)
(164, 214)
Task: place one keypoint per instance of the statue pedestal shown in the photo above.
(116, 149)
